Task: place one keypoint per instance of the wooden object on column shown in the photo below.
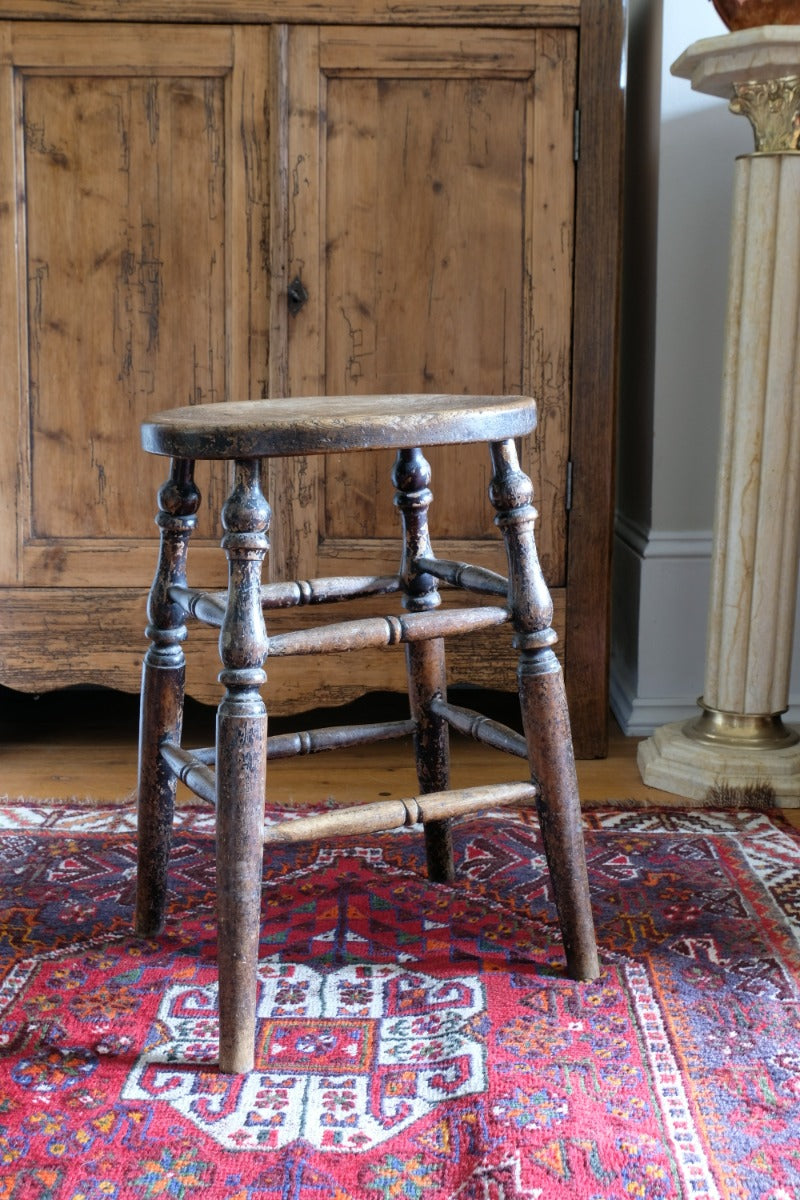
(738, 751)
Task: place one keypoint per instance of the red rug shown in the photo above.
(414, 1040)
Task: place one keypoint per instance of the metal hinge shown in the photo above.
(576, 135)
(568, 489)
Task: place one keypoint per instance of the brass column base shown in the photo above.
(725, 760)
(742, 730)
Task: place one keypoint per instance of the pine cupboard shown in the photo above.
(249, 200)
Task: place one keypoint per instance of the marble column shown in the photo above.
(738, 751)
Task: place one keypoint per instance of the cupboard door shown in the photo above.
(136, 208)
(429, 179)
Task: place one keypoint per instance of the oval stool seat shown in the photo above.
(321, 424)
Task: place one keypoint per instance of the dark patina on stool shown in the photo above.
(232, 774)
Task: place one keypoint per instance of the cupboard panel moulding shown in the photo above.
(148, 290)
(121, 288)
(106, 46)
(13, 445)
(312, 12)
(430, 197)
(98, 636)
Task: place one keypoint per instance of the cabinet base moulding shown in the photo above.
(96, 637)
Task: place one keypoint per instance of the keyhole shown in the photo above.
(297, 295)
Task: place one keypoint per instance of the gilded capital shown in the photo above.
(773, 109)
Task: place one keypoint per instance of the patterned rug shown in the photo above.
(414, 1040)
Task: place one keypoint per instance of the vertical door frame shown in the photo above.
(598, 233)
(12, 254)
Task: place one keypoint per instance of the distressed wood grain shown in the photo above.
(59, 47)
(125, 293)
(295, 482)
(595, 368)
(151, 146)
(427, 143)
(13, 443)
(547, 341)
(316, 12)
(243, 55)
(98, 635)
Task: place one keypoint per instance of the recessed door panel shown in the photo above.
(137, 212)
(431, 224)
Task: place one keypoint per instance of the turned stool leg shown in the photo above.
(425, 661)
(161, 713)
(241, 769)
(544, 713)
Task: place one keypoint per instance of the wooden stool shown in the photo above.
(232, 774)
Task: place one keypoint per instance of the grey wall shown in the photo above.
(699, 141)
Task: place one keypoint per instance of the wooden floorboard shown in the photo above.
(83, 745)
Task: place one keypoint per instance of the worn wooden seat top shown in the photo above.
(318, 424)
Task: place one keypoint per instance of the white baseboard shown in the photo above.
(660, 613)
(638, 716)
(663, 544)
(661, 581)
